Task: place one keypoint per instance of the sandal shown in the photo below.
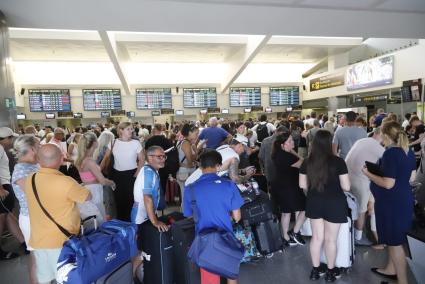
(8, 255)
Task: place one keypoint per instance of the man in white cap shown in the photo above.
(7, 198)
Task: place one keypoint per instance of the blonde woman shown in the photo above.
(90, 173)
(73, 154)
(105, 140)
(128, 160)
(25, 149)
(394, 198)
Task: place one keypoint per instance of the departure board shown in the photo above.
(200, 97)
(45, 100)
(241, 97)
(285, 96)
(102, 99)
(153, 98)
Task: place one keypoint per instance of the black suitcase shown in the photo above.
(158, 255)
(183, 234)
(267, 237)
(257, 211)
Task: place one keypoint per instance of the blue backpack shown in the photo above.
(88, 257)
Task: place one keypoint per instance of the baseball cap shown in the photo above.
(7, 132)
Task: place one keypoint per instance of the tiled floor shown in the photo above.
(292, 266)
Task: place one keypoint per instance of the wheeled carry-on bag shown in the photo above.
(122, 275)
(267, 237)
(183, 234)
(259, 210)
(157, 251)
(345, 249)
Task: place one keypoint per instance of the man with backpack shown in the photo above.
(264, 129)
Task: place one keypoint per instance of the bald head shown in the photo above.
(49, 156)
(213, 121)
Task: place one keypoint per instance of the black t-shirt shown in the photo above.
(286, 176)
(332, 187)
(158, 140)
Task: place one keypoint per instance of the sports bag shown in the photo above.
(88, 257)
(262, 132)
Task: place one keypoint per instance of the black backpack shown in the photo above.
(172, 164)
(262, 132)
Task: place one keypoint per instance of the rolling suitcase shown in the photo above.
(183, 234)
(257, 211)
(157, 251)
(267, 237)
(345, 249)
(123, 275)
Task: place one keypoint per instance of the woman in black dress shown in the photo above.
(285, 188)
(325, 176)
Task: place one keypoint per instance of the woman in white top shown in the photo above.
(128, 160)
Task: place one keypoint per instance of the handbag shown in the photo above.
(215, 250)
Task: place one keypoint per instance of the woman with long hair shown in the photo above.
(105, 141)
(73, 154)
(25, 150)
(128, 160)
(90, 173)
(188, 154)
(285, 187)
(325, 178)
(394, 198)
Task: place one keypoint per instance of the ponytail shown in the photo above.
(85, 143)
(403, 141)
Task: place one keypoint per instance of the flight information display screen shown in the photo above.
(153, 98)
(102, 99)
(241, 97)
(200, 97)
(45, 100)
(285, 96)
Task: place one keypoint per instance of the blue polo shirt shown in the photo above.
(216, 198)
(214, 136)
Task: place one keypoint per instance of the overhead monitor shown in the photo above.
(284, 96)
(243, 97)
(50, 115)
(288, 109)
(156, 113)
(200, 97)
(268, 109)
(247, 110)
(371, 73)
(118, 112)
(131, 114)
(78, 115)
(45, 100)
(179, 112)
(203, 111)
(105, 114)
(102, 99)
(153, 98)
(225, 110)
(21, 116)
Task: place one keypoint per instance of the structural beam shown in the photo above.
(240, 60)
(113, 51)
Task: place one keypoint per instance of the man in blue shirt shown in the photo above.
(216, 198)
(215, 136)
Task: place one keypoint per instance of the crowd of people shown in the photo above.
(122, 171)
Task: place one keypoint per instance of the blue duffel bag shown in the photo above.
(88, 257)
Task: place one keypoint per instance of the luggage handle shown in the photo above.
(87, 219)
(114, 227)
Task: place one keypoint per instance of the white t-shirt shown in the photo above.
(405, 124)
(365, 149)
(226, 153)
(4, 167)
(270, 127)
(242, 138)
(125, 154)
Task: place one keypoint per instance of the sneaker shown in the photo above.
(332, 274)
(317, 272)
(298, 238)
(289, 243)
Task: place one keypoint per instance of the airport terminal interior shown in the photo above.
(80, 63)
